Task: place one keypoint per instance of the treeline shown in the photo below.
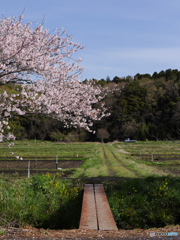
(145, 107)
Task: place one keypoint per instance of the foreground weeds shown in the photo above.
(145, 203)
(41, 201)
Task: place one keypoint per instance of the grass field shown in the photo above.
(45, 149)
(131, 160)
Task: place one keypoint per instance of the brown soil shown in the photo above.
(161, 159)
(160, 156)
(39, 166)
(17, 233)
(170, 169)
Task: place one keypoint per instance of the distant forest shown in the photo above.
(144, 108)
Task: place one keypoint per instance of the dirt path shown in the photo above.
(39, 234)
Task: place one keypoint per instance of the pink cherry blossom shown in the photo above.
(43, 65)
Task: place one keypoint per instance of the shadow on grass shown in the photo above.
(143, 203)
(150, 202)
(66, 217)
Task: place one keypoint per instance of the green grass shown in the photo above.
(115, 164)
(2, 232)
(147, 197)
(40, 201)
(143, 165)
(118, 157)
(145, 203)
(140, 168)
(94, 166)
(148, 147)
(153, 198)
(45, 149)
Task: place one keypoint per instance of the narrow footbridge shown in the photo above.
(96, 213)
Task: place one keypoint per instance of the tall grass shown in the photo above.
(145, 203)
(40, 201)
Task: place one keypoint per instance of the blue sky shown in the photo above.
(122, 37)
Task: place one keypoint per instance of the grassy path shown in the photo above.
(141, 168)
(111, 173)
(115, 167)
(95, 164)
(122, 164)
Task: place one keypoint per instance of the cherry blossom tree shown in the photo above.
(41, 64)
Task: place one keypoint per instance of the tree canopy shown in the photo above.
(46, 78)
